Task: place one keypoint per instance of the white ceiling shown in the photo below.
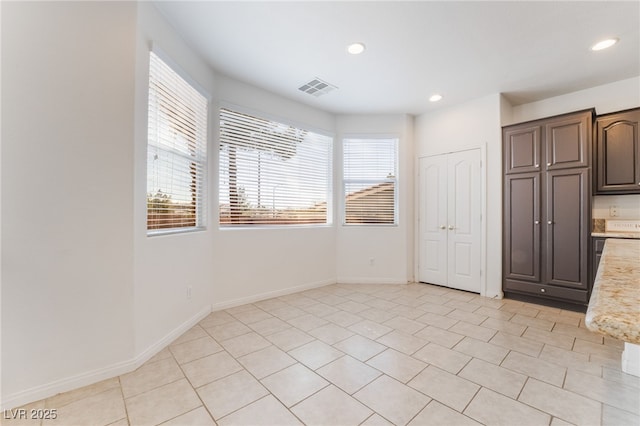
(463, 50)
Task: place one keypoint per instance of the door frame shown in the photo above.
(483, 211)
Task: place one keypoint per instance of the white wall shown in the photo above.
(0, 210)
(628, 206)
(166, 265)
(67, 173)
(86, 294)
(390, 247)
(224, 267)
(256, 263)
(607, 98)
(470, 125)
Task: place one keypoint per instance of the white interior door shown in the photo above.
(433, 220)
(450, 222)
(464, 232)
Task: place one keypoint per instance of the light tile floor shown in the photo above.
(371, 355)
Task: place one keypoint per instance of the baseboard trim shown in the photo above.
(64, 385)
(369, 280)
(84, 379)
(152, 350)
(269, 295)
(90, 377)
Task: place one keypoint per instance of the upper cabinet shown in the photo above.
(567, 141)
(617, 154)
(561, 142)
(522, 149)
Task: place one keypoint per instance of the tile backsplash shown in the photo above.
(599, 225)
(625, 206)
(613, 225)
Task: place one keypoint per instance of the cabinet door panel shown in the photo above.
(566, 237)
(618, 153)
(522, 227)
(567, 142)
(618, 148)
(522, 149)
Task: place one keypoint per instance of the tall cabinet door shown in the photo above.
(522, 224)
(433, 220)
(567, 195)
(464, 220)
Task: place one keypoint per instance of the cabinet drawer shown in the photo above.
(547, 291)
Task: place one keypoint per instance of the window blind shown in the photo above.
(272, 173)
(369, 178)
(176, 151)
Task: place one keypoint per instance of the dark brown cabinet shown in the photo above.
(567, 231)
(522, 149)
(597, 247)
(567, 142)
(617, 154)
(547, 207)
(522, 211)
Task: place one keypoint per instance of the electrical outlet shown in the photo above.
(189, 290)
(613, 211)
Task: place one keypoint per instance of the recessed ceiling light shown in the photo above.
(356, 48)
(604, 44)
(435, 98)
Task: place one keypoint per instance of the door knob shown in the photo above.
(550, 223)
(451, 227)
(443, 227)
(537, 222)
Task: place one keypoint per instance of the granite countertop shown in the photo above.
(610, 234)
(614, 307)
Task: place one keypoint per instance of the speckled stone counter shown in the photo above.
(635, 235)
(614, 307)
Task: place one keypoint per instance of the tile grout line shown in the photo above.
(407, 309)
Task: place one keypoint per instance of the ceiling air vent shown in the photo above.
(317, 87)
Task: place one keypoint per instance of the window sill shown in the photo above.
(175, 231)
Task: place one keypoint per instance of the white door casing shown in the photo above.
(450, 220)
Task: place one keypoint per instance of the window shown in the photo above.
(272, 173)
(370, 184)
(176, 151)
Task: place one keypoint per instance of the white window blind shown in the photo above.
(272, 173)
(176, 151)
(370, 184)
